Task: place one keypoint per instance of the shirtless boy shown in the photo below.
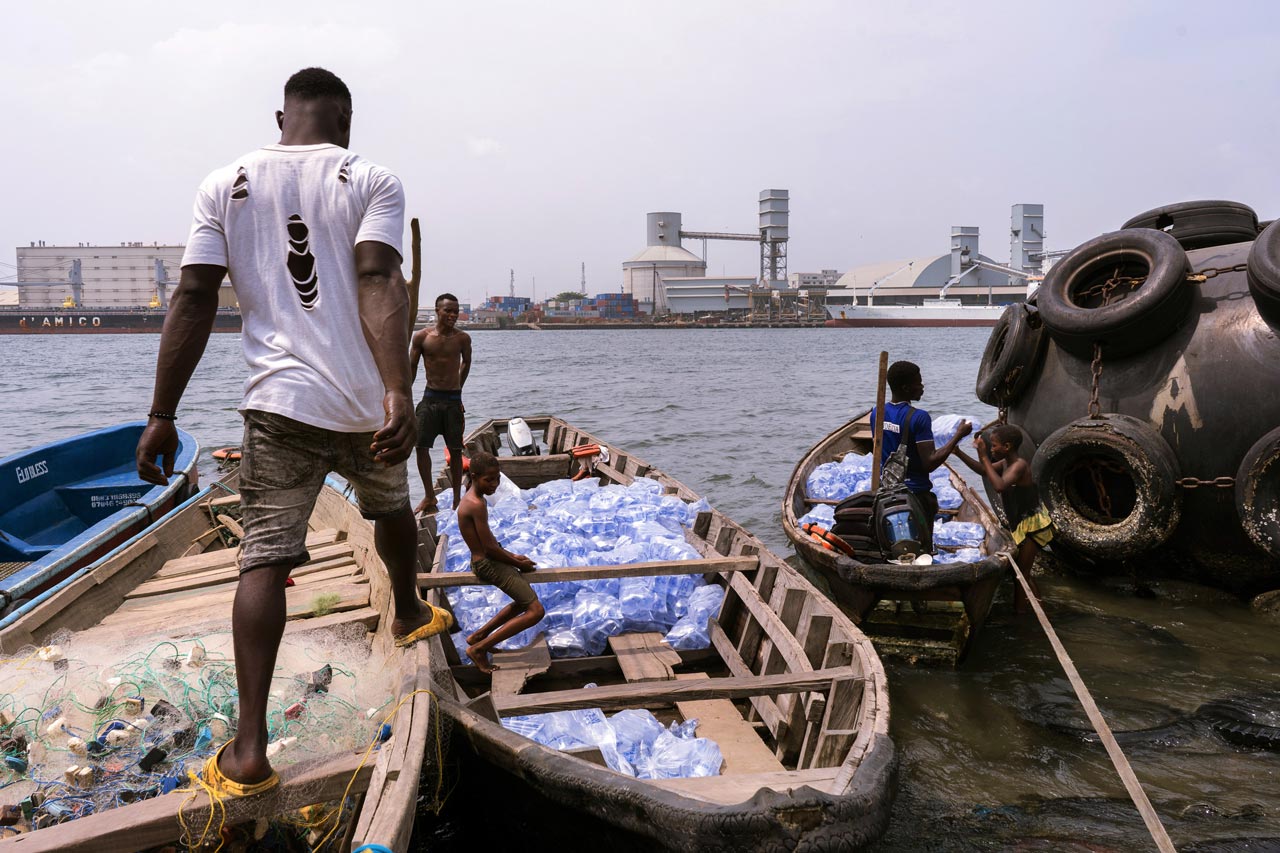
(1010, 475)
(494, 565)
(445, 352)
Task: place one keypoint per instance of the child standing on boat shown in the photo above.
(494, 565)
(1010, 476)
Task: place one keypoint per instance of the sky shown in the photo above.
(535, 136)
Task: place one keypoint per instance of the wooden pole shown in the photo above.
(877, 439)
(414, 284)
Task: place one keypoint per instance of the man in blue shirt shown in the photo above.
(904, 422)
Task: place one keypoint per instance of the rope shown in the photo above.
(1131, 783)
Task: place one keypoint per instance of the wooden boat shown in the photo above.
(791, 691)
(65, 503)
(176, 580)
(960, 594)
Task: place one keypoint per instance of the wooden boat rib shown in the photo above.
(791, 690)
(859, 583)
(176, 580)
(66, 503)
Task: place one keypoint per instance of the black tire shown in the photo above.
(1143, 316)
(1012, 355)
(1258, 491)
(1201, 224)
(1264, 274)
(1250, 720)
(1138, 472)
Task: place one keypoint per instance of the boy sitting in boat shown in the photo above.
(903, 422)
(494, 565)
(1010, 476)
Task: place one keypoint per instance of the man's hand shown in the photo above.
(524, 564)
(980, 445)
(159, 439)
(964, 429)
(394, 442)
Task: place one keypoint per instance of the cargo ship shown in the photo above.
(26, 320)
(929, 312)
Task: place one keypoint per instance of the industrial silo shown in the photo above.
(663, 256)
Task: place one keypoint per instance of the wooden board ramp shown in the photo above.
(739, 742)
(516, 667)
(644, 657)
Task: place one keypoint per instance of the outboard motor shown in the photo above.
(900, 524)
(520, 438)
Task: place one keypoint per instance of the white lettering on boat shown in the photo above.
(27, 473)
(100, 501)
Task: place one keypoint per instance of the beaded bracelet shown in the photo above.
(164, 416)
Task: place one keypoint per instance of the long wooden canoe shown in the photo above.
(176, 580)
(960, 594)
(793, 693)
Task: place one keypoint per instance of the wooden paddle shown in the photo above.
(877, 440)
(414, 284)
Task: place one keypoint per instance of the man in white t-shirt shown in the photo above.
(310, 236)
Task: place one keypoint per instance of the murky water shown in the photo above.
(991, 756)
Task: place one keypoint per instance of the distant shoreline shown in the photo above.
(626, 327)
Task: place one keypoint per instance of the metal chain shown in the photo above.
(1107, 289)
(1095, 408)
(1100, 487)
(1204, 275)
(1216, 482)
(1002, 414)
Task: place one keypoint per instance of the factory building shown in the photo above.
(123, 276)
(963, 274)
(708, 295)
(816, 280)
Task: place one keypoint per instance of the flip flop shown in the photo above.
(212, 778)
(441, 621)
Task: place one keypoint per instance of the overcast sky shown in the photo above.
(536, 135)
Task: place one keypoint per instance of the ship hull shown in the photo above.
(25, 321)
(889, 316)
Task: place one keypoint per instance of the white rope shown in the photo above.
(1131, 783)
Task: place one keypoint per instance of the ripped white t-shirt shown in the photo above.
(284, 220)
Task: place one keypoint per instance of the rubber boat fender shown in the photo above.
(1201, 224)
(1264, 274)
(1147, 269)
(826, 538)
(1013, 354)
(1116, 462)
(227, 454)
(1258, 491)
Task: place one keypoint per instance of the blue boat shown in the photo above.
(66, 503)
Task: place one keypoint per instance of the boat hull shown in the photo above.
(821, 808)
(55, 519)
(860, 585)
(105, 321)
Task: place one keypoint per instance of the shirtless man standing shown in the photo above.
(445, 352)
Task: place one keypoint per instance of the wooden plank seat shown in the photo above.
(616, 697)
(440, 580)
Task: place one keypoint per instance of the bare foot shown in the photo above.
(426, 506)
(476, 637)
(401, 626)
(243, 768)
(480, 657)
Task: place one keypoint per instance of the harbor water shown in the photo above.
(994, 756)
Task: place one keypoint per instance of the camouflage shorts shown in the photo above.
(283, 468)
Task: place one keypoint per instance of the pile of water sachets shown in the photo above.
(564, 523)
(631, 741)
(84, 729)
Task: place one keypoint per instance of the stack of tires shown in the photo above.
(1146, 385)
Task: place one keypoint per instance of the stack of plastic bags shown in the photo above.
(632, 741)
(564, 523)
